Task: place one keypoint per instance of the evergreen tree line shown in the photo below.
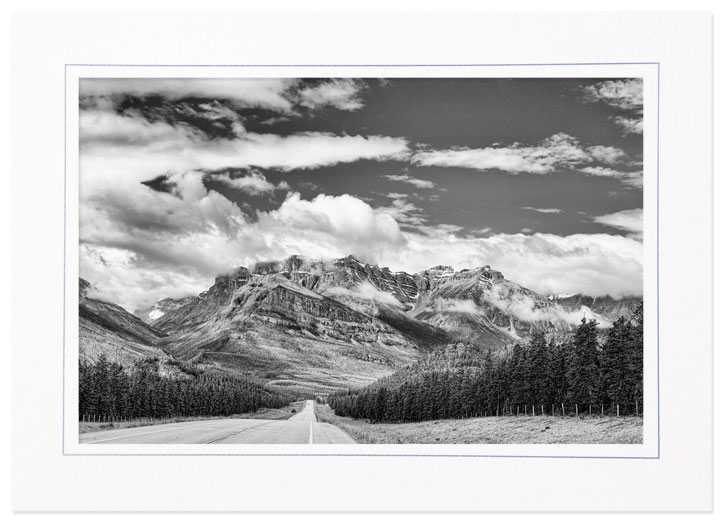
(590, 372)
(109, 391)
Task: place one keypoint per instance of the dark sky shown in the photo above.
(254, 168)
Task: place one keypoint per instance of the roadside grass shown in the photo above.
(262, 413)
(494, 430)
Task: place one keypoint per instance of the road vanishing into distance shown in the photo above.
(301, 428)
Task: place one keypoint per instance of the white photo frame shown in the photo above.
(54, 472)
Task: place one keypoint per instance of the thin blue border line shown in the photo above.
(658, 260)
(385, 455)
(369, 65)
(65, 190)
(65, 228)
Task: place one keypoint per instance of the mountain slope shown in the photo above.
(106, 328)
(293, 336)
(161, 308)
(321, 325)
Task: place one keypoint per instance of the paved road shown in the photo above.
(302, 428)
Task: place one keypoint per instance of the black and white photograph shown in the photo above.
(361, 260)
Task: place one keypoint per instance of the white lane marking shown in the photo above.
(154, 432)
(310, 434)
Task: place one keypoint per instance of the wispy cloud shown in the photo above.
(418, 183)
(403, 211)
(556, 152)
(159, 146)
(629, 178)
(269, 93)
(341, 93)
(630, 221)
(542, 210)
(254, 183)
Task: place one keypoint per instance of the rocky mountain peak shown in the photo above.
(350, 260)
(235, 279)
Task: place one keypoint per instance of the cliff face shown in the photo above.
(478, 305)
(206, 305)
(275, 301)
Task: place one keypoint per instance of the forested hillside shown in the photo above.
(590, 372)
(111, 391)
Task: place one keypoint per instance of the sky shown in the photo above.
(184, 179)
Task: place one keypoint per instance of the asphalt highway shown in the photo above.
(302, 428)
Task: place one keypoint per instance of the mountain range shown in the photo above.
(319, 325)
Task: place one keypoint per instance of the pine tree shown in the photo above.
(583, 376)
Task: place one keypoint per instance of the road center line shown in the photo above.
(236, 433)
(310, 434)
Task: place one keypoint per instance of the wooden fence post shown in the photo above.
(636, 406)
(562, 410)
(576, 409)
(617, 409)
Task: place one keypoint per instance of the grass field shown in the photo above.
(262, 413)
(494, 430)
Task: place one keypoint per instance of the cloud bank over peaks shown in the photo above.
(135, 245)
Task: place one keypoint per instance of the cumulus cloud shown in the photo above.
(556, 152)
(341, 93)
(630, 221)
(329, 226)
(623, 94)
(626, 95)
(418, 183)
(630, 125)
